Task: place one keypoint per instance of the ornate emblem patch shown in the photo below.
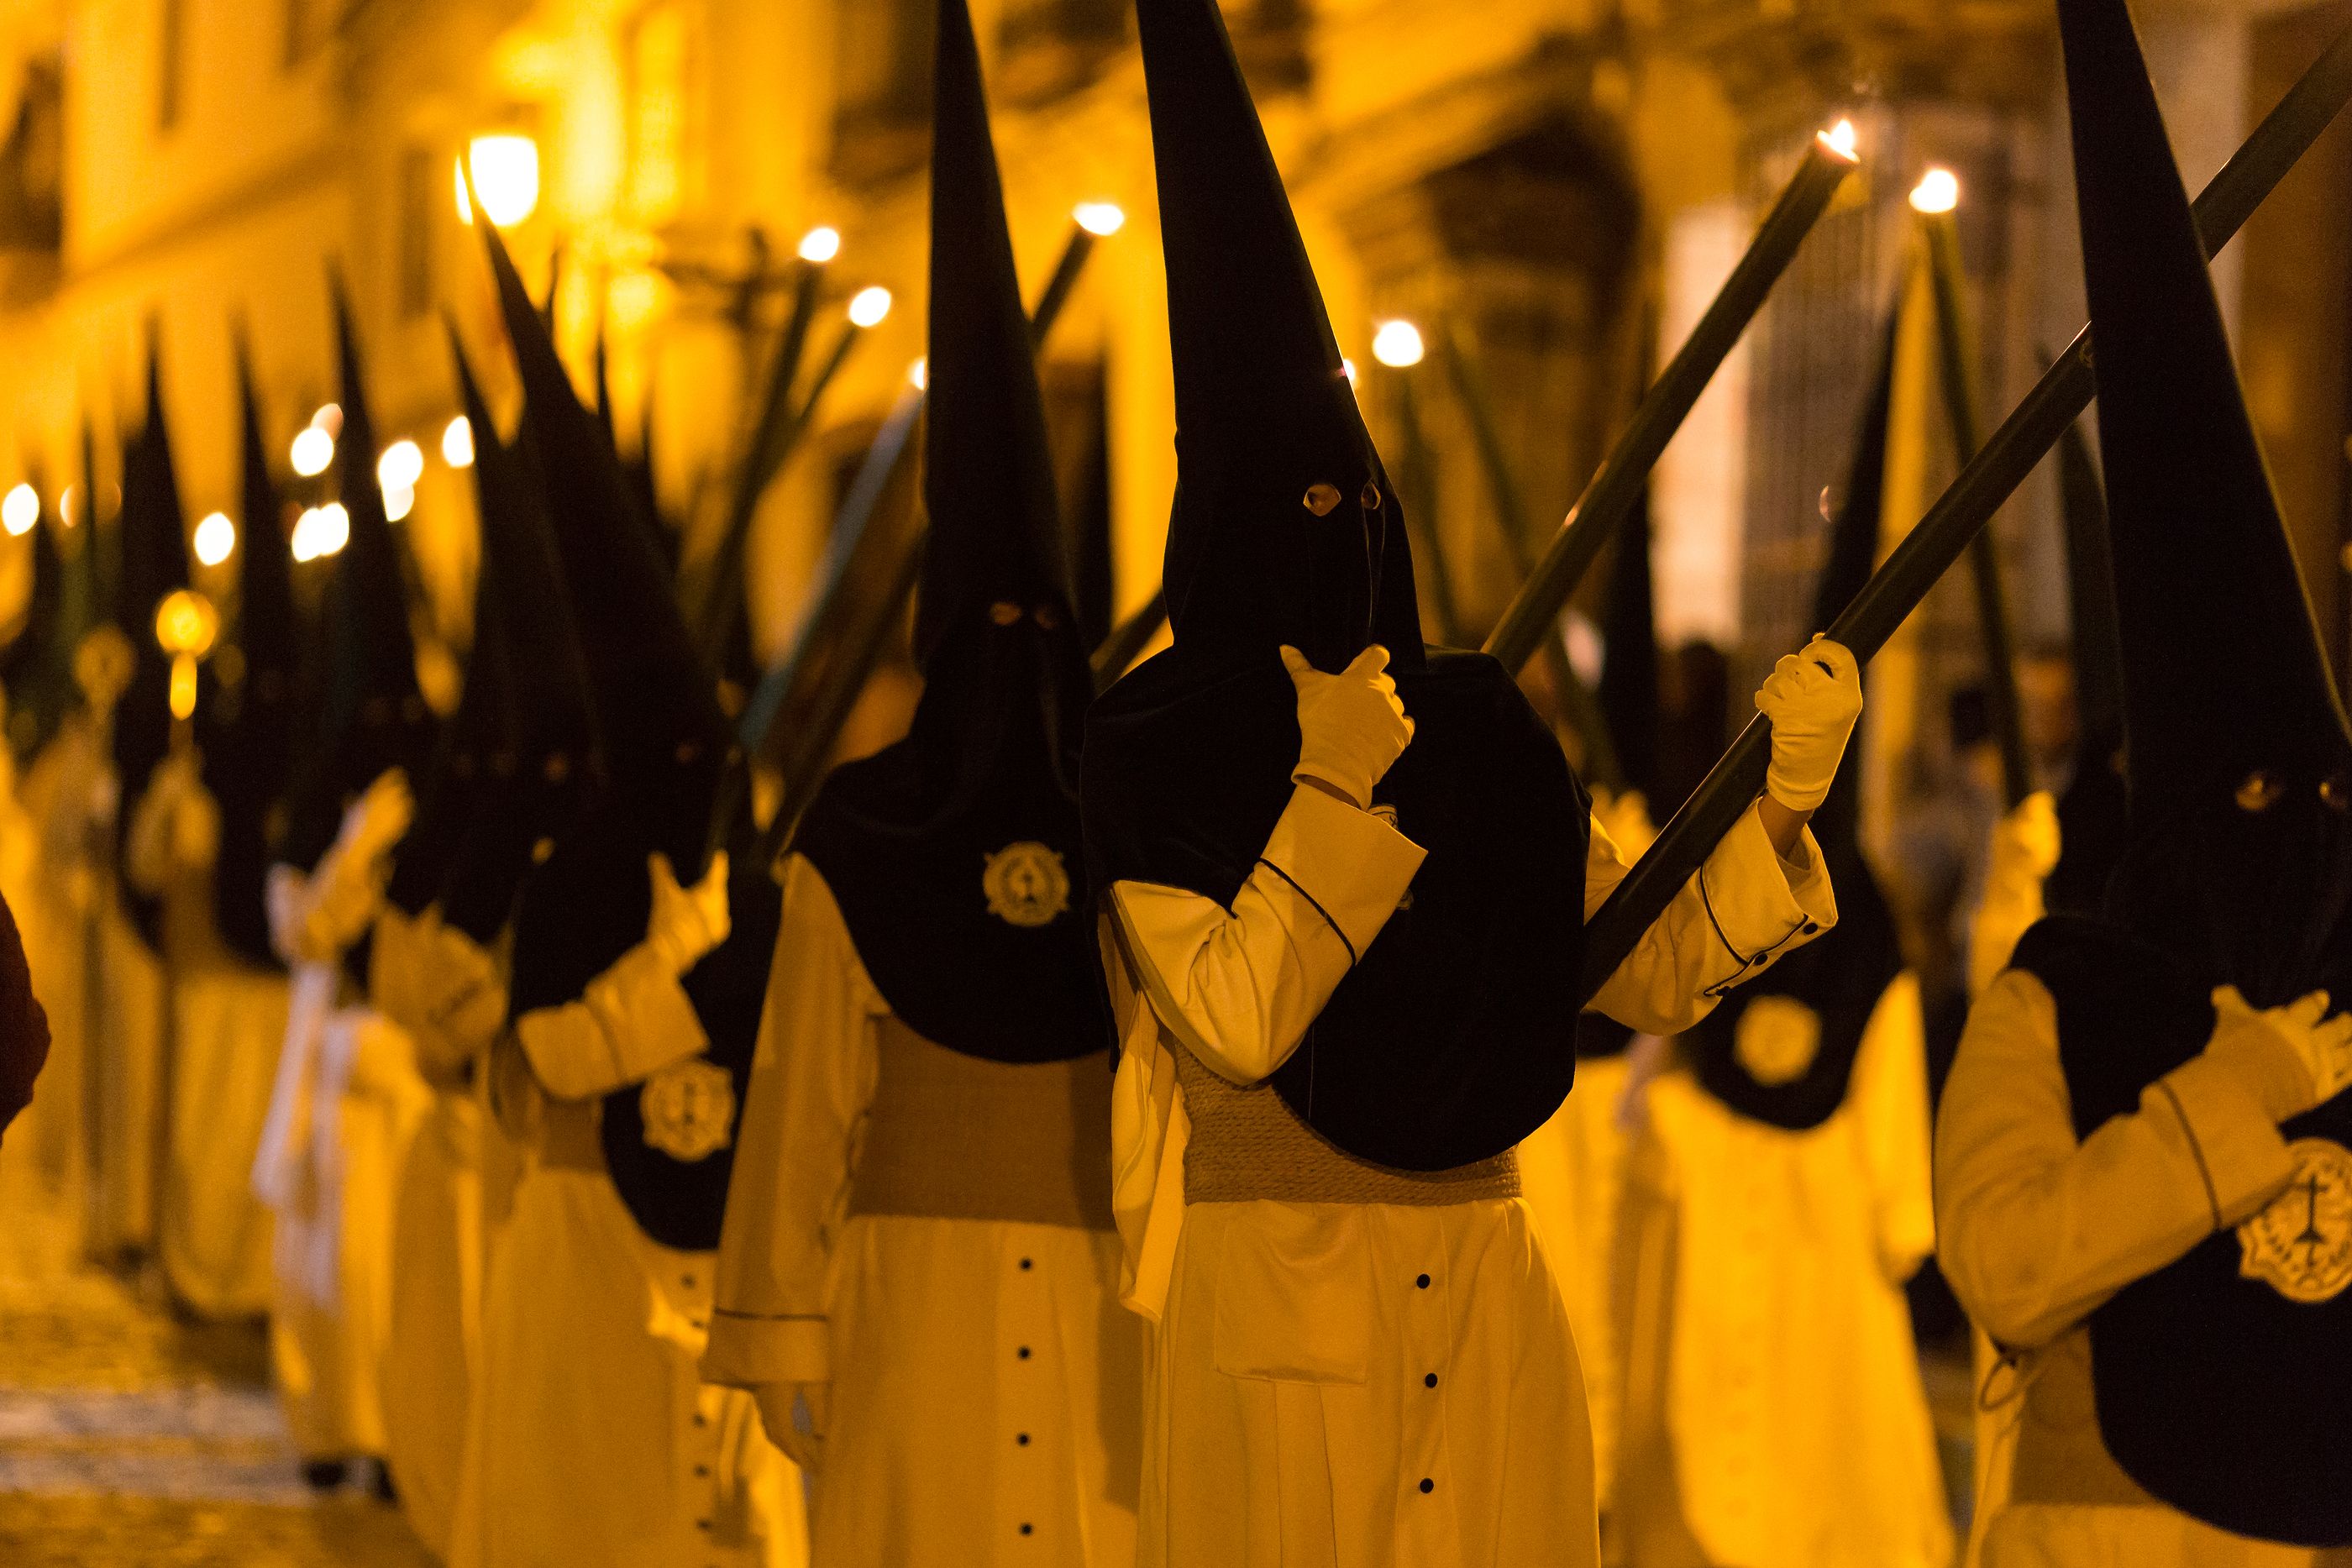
(1777, 1039)
(2301, 1245)
(688, 1109)
(1027, 884)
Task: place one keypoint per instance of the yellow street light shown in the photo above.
(401, 466)
(505, 167)
(458, 443)
(1398, 345)
(1938, 191)
(1100, 219)
(215, 539)
(820, 244)
(20, 510)
(321, 531)
(871, 307)
(314, 449)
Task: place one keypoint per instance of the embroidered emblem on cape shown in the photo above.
(688, 1109)
(1777, 1039)
(2301, 1245)
(1026, 885)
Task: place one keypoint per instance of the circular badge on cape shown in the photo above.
(1026, 885)
(1777, 1039)
(2301, 1244)
(688, 1109)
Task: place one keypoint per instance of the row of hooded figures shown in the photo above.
(1141, 1130)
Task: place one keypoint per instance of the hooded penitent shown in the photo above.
(249, 752)
(1781, 1049)
(2090, 812)
(955, 854)
(664, 745)
(1453, 1038)
(372, 715)
(154, 547)
(522, 766)
(36, 682)
(2224, 1383)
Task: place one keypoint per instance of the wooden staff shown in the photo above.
(1615, 488)
(1985, 483)
(1939, 218)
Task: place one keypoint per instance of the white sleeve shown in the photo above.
(1239, 987)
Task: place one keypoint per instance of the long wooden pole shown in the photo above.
(1616, 487)
(1955, 343)
(1923, 557)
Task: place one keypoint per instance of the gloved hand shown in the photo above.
(2293, 1058)
(375, 822)
(796, 1416)
(2024, 846)
(1812, 699)
(688, 923)
(1351, 727)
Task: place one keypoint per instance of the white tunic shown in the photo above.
(984, 1383)
(2038, 1230)
(1363, 1383)
(592, 1441)
(1774, 1412)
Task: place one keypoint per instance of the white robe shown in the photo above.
(1012, 1330)
(2038, 1230)
(1363, 1383)
(592, 1441)
(1774, 1412)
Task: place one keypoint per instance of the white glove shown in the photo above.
(796, 1416)
(1351, 727)
(2293, 1058)
(375, 822)
(688, 923)
(2025, 844)
(1811, 700)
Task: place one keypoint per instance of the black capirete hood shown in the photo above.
(373, 713)
(36, 683)
(1838, 979)
(2240, 766)
(2092, 824)
(955, 854)
(524, 766)
(1454, 1037)
(249, 753)
(152, 534)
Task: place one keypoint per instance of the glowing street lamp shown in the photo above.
(314, 450)
(321, 531)
(1398, 345)
(20, 510)
(458, 443)
(215, 539)
(820, 244)
(870, 307)
(401, 466)
(505, 170)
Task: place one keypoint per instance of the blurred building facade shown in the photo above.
(1558, 185)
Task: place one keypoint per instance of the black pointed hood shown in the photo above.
(1453, 1039)
(1286, 529)
(2091, 812)
(1782, 1048)
(249, 754)
(955, 854)
(372, 713)
(152, 536)
(529, 744)
(2238, 760)
(35, 681)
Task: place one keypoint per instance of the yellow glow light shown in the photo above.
(314, 449)
(1938, 191)
(1100, 219)
(918, 374)
(69, 505)
(1347, 367)
(458, 443)
(215, 539)
(871, 308)
(20, 510)
(186, 622)
(1397, 345)
(1844, 140)
(401, 466)
(321, 531)
(399, 500)
(328, 417)
(505, 178)
(820, 244)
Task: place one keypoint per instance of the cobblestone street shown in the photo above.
(130, 1440)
